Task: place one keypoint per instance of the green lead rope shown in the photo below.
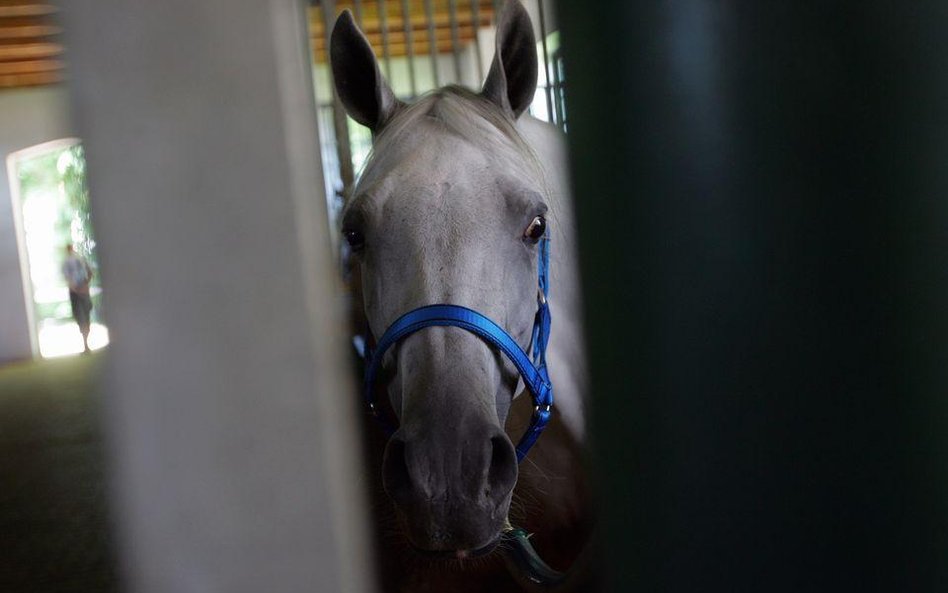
(520, 555)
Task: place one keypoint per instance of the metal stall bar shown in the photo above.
(383, 24)
(773, 224)
(233, 447)
(340, 121)
(455, 39)
(548, 92)
(357, 9)
(432, 42)
(559, 89)
(409, 44)
(476, 18)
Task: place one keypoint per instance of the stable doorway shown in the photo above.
(51, 211)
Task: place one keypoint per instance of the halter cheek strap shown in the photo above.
(534, 373)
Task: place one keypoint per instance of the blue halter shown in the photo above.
(534, 372)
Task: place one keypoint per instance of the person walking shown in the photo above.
(78, 275)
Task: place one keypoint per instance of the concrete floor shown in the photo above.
(54, 531)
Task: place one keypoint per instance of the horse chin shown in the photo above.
(459, 555)
(452, 545)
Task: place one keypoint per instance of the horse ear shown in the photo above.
(359, 83)
(512, 80)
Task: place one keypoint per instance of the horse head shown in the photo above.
(449, 209)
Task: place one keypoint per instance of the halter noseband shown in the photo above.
(534, 372)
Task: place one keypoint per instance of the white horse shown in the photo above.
(449, 208)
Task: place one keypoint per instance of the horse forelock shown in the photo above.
(466, 115)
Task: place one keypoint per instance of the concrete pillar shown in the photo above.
(229, 394)
(763, 212)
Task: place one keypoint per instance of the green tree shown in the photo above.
(71, 165)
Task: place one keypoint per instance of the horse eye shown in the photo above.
(536, 230)
(355, 239)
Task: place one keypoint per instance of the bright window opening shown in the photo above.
(51, 206)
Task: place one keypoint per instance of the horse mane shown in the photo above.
(463, 113)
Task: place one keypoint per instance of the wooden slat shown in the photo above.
(30, 67)
(26, 10)
(34, 79)
(372, 23)
(24, 21)
(397, 49)
(29, 51)
(466, 36)
(29, 31)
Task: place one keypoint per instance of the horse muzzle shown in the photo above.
(453, 492)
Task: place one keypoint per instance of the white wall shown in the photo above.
(27, 117)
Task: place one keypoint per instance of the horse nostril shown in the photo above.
(416, 473)
(502, 474)
(395, 475)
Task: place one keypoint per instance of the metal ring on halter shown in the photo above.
(520, 555)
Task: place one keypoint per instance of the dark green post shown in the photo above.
(762, 192)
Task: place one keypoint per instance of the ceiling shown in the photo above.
(471, 14)
(30, 47)
(31, 51)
